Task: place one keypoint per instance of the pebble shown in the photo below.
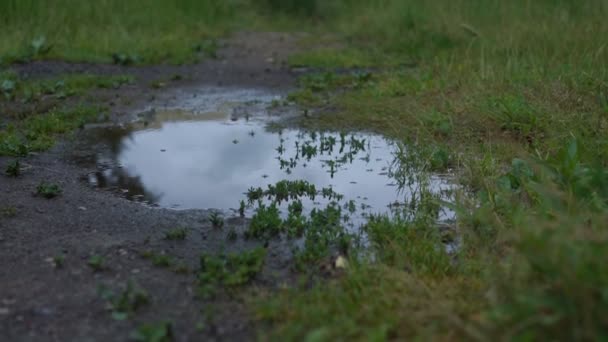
(44, 311)
(7, 301)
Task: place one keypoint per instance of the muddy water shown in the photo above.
(209, 153)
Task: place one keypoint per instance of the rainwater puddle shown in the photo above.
(208, 155)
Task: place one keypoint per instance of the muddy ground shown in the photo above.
(39, 302)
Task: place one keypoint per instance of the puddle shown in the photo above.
(209, 154)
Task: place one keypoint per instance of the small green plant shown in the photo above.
(229, 271)
(516, 115)
(266, 222)
(323, 233)
(39, 47)
(8, 211)
(13, 169)
(242, 208)
(157, 332)
(160, 260)
(208, 48)
(217, 221)
(97, 263)
(8, 87)
(232, 235)
(439, 123)
(176, 234)
(58, 260)
(440, 160)
(158, 85)
(125, 59)
(181, 268)
(124, 304)
(48, 190)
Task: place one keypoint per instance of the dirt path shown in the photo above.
(39, 302)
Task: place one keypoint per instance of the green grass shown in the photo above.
(16, 89)
(39, 132)
(140, 31)
(513, 97)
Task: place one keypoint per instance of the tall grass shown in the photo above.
(154, 30)
(517, 92)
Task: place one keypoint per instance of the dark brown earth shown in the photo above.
(39, 302)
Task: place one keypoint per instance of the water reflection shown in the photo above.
(179, 159)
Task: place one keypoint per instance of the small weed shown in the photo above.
(8, 88)
(176, 234)
(160, 260)
(217, 221)
(39, 47)
(266, 222)
(516, 115)
(230, 270)
(439, 123)
(97, 263)
(157, 332)
(127, 302)
(323, 233)
(48, 190)
(208, 48)
(125, 59)
(58, 260)
(181, 268)
(13, 169)
(242, 208)
(158, 85)
(8, 212)
(440, 160)
(232, 235)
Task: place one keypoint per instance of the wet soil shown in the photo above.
(39, 302)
